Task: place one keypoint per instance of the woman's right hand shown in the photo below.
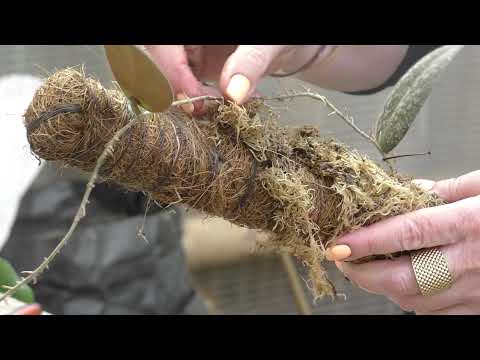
(236, 69)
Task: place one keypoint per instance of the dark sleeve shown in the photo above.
(414, 54)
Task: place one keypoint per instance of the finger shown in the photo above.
(454, 189)
(453, 310)
(173, 61)
(30, 309)
(396, 280)
(423, 228)
(460, 292)
(194, 54)
(212, 61)
(384, 277)
(244, 69)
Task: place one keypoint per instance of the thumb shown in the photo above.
(454, 189)
(244, 69)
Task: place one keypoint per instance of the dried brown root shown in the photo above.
(236, 162)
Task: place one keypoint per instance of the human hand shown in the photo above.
(237, 69)
(453, 228)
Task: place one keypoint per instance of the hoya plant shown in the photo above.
(235, 162)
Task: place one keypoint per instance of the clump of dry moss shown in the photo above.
(235, 162)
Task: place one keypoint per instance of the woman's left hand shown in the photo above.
(453, 228)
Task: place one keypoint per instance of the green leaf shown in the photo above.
(9, 277)
(139, 77)
(409, 95)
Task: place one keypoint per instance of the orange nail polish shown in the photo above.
(32, 309)
(338, 252)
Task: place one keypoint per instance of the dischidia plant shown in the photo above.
(236, 162)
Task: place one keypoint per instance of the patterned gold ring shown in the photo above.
(431, 271)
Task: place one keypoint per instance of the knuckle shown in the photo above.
(400, 284)
(257, 56)
(370, 245)
(373, 246)
(412, 234)
(454, 186)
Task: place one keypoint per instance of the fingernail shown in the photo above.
(425, 185)
(338, 252)
(31, 309)
(238, 88)
(188, 108)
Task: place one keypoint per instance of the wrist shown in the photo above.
(352, 68)
(301, 58)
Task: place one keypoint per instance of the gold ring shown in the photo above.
(431, 271)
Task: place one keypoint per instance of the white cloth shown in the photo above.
(19, 166)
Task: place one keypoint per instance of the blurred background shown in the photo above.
(228, 277)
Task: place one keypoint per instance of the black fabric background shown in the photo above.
(105, 268)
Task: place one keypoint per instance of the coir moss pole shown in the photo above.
(235, 162)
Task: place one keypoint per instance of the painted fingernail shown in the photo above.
(425, 185)
(238, 88)
(338, 252)
(32, 309)
(188, 108)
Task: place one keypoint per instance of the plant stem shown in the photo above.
(199, 98)
(346, 118)
(406, 155)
